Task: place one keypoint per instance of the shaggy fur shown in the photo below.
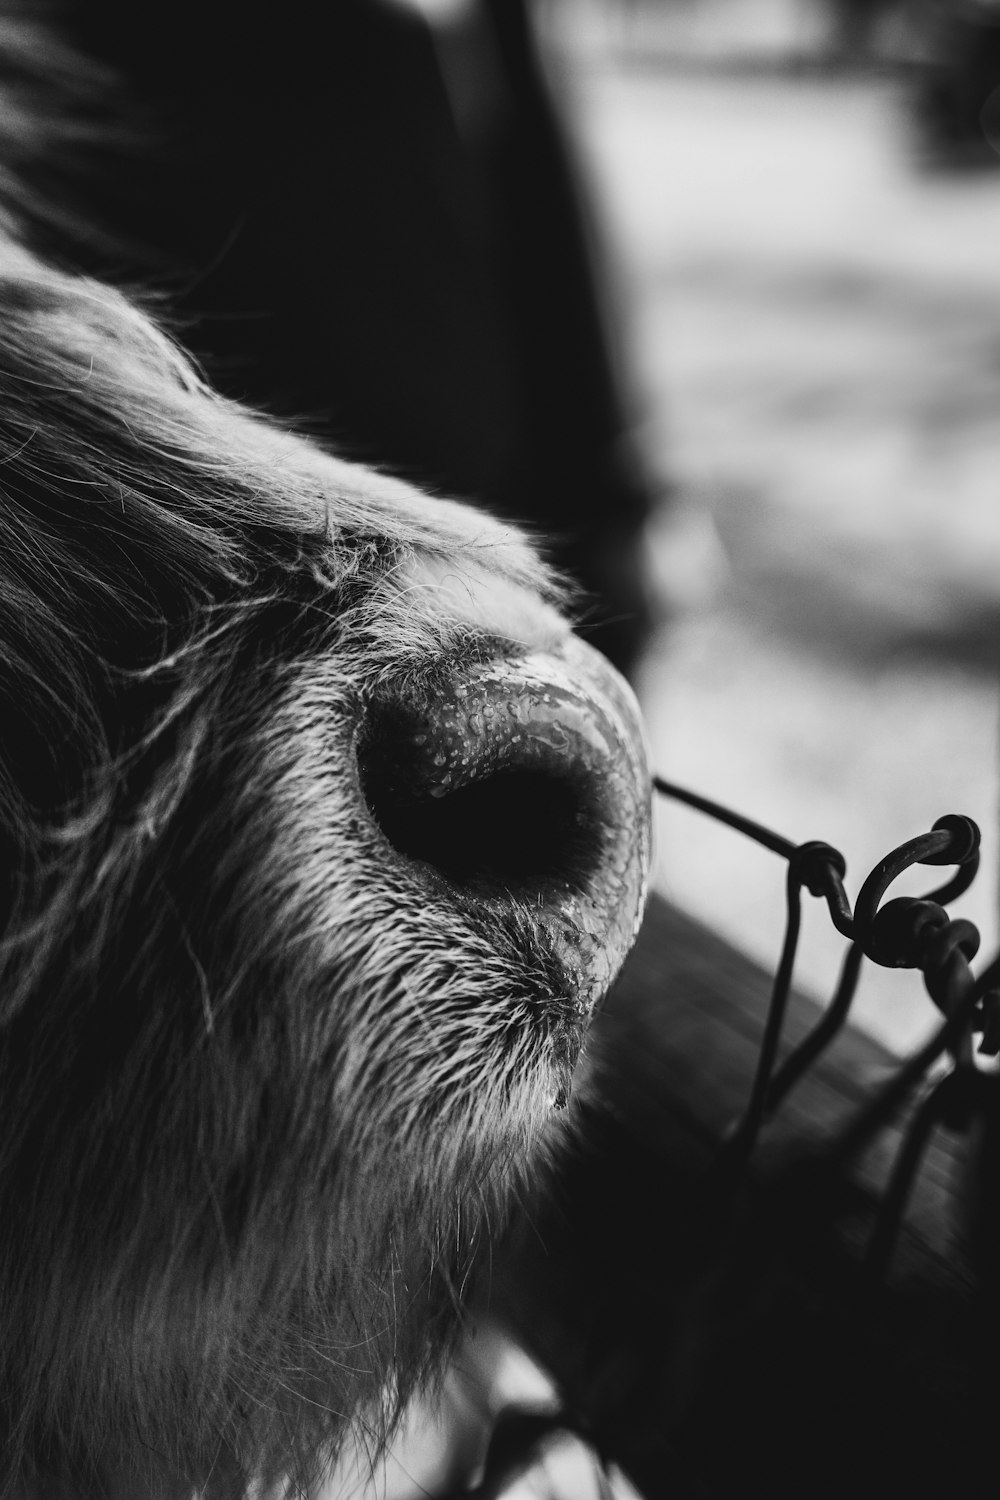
(215, 1247)
(261, 1090)
(209, 1234)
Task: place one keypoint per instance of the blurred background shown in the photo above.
(799, 205)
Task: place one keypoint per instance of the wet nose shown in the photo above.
(523, 780)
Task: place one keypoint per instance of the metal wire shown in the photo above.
(905, 932)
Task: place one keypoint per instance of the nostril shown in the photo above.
(522, 779)
(515, 831)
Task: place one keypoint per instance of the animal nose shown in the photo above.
(523, 782)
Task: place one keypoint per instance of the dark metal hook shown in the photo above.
(906, 932)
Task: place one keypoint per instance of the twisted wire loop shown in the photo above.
(904, 932)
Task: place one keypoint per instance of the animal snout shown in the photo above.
(521, 783)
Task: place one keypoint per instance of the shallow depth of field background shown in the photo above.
(811, 317)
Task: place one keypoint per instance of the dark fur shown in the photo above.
(255, 1108)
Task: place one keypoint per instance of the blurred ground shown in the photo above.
(815, 324)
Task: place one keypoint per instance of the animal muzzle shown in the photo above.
(523, 781)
